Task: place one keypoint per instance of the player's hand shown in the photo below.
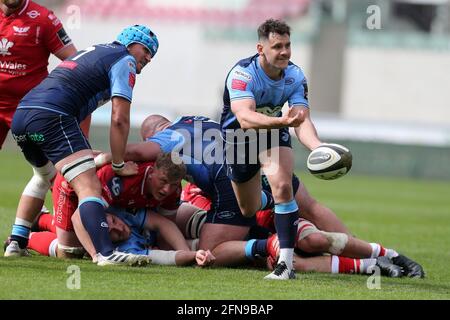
(204, 258)
(294, 117)
(130, 169)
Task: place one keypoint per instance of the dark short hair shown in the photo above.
(273, 26)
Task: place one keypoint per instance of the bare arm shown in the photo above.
(245, 111)
(143, 151)
(167, 229)
(306, 132)
(66, 52)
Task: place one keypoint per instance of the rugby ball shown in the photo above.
(329, 161)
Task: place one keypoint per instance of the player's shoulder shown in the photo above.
(244, 69)
(294, 74)
(41, 14)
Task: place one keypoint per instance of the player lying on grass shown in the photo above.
(133, 233)
(190, 138)
(156, 185)
(348, 254)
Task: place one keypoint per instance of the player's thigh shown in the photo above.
(248, 195)
(212, 235)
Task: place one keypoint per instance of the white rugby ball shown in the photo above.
(329, 161)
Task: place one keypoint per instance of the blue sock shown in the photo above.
(20, 234)
(286, 215)
(93, 217)
(255, 248)
(267, 201)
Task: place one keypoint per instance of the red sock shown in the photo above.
(41, 242)
(377, 250)
(349, 265)
(46, 223)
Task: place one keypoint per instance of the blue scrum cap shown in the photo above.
(139, 34)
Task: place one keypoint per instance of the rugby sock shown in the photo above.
(256, 248)
(349, 265)
(267, 201)
(46, 223)
(286, 220)
(93, 217)
(43, 242)
(20, 232)
(379, 251)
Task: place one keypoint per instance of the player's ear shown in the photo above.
(259, 47)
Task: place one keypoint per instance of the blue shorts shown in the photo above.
(242, 159)
(224, 206)
(45, 135)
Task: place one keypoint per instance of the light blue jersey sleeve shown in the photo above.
(300, 95)
(168, 140)
(240, 84)
(135, 221)
(122, 78)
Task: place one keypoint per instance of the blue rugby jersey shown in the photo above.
(85, 81)
(247, 80)
(199, 144)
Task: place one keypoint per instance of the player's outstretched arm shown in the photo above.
(306, 132)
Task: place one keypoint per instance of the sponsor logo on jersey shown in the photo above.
(104, 224)
(63, 36)
(21, 31)
(131, 79)
(68, 65)
(33, 14)
(271, 111)
(115, 186)
(242, 74)
(12, 65)
(285, 136)
(54, 19)
(289, 81)
(237, 84)
(5, 45)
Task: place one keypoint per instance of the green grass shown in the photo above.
(412, 216)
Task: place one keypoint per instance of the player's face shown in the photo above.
(118, 229)
(141, 54)
(160, 186)
(12, 4)
(276, 51)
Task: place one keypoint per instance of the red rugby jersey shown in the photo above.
(130, 192)
(27, 37)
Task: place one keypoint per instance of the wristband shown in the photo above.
(118, 166)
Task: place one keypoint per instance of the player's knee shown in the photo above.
(68, 252)
(282, 191)
(315, 242)
(41, 181)
(337, 241)
(73, 169)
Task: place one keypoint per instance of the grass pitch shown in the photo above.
(411, 216)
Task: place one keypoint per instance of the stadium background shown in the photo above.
(382, 92)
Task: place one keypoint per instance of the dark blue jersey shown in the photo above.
(198, 142)
(85, 81)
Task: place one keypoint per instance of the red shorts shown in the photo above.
(65, 202)
(6, 115)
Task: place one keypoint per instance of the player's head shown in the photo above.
(141, 42)
(166, 177)
(118, 230)
(153, 124)
(12, 4)
(274, 43)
